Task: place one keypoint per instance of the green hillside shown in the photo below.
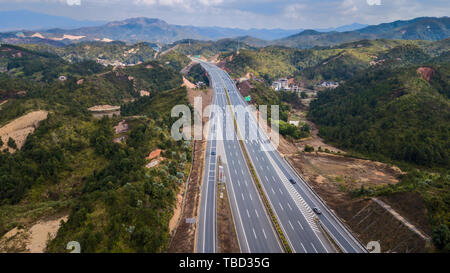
(208, 49)
(108, 52)
(71, 164)
(197, 74)
(405, 117)
(176, 60)
(153, 76)
(41, 66)
(335, 63)
(394, 115)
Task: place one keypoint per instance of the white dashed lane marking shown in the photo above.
(300, 225)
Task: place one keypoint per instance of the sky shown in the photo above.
(287, 14)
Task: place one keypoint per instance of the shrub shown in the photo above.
(12, 143)
(309, 149)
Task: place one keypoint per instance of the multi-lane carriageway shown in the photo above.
(291, 203)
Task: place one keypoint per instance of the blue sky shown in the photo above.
(290, 14)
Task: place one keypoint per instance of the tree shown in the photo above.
(441, 236)
(1, 142)
(12, 143)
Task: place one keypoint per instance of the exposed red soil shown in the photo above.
(426, 73)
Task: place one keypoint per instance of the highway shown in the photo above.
(291, 203)
(254, 229)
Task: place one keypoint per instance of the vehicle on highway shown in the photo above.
(292, 181)
(213, 153)
(317, 210)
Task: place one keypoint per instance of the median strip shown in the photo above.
(273, 218)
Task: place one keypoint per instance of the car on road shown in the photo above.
(213, 153)
(317, 210)
(292, 181)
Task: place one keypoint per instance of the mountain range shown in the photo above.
(134, 29)
(154, 30)
(423, 28)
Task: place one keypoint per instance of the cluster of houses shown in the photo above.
(114, 63)
(283, 84)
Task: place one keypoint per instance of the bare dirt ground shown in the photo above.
(99, 111)
(186, 69)
(206, 95)
(21, 127)
(188, 84)
(104, 108)
(349, 173)
(177, 212)
(32, 239)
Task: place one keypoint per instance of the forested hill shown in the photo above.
(78, 165)
(390, 113)
(105, 52)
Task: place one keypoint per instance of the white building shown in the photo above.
(276, 85)
(281, 84)
(329, 84)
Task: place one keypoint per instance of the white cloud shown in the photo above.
(374, 2)
(294, 11)
(349, 7)
(179, 3)
(74, 2)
